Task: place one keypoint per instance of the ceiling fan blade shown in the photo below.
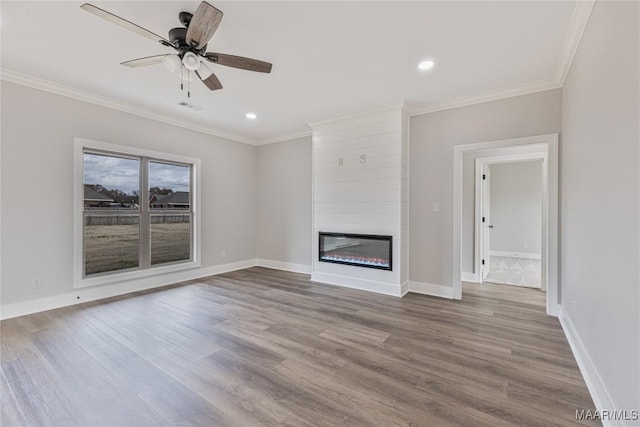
(211, 82)
(203, 25)
(124, 23)
(143, 62)
(239, 62)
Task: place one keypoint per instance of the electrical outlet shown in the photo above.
(223, 253)
(36, 283)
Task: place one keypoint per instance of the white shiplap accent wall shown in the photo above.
(366, 198)
(404, 201)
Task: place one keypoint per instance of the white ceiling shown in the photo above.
(330, 59)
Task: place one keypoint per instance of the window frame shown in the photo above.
(145, 156)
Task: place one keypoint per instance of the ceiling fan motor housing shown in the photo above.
(178, 36)
(185, 18)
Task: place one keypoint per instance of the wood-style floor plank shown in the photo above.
(264, 347)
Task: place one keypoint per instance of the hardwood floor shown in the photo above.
(265, 347)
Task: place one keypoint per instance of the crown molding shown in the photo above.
(81, 95)
(579, 20)
(493, 95)
(284, 138)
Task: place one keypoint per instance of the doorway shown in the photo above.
(510, 150)
(508, 220)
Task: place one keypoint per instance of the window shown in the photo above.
(137, 213)
(169, 203)
(111, 213)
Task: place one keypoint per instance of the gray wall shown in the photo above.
(516, 207)
(38, 130)
(284, 200)
(600, 195)
(432, 138)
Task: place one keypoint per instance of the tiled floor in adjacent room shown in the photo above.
(515, 271)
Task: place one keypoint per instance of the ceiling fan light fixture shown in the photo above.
(191, 61)
(251, 116)
(172, 63)
(205, 71)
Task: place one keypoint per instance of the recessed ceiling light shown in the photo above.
(251, 116)
(426, 65)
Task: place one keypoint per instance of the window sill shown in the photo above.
(130, 275)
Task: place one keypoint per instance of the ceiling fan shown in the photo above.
(190, 43)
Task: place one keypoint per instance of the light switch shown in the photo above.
(435, 207)
(363, 158)
(340, 161)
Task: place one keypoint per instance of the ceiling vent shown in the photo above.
(189, 106)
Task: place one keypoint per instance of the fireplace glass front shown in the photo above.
(363, 250)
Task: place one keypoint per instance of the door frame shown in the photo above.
(549, 144)
(480, 230)
(480, 163)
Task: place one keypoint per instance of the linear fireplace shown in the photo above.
(362, 250)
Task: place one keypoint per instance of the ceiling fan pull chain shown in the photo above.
(181, 80)
(189, 84)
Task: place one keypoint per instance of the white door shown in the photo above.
(485, 221)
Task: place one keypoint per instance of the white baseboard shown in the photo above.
(469, 277)
(355, 283)
(404, 288)
(525, 255)
(81, 295)
(597, 389)
(431, 289)
(286, 266)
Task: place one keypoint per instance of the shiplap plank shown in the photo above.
(355, 165)
(367, 175)
(354, 153)
(356, 196)
(371, 207)
(356, 186)
(358, 218)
